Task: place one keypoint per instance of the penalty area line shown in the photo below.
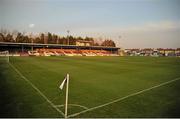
(120, 99)
(33, 86)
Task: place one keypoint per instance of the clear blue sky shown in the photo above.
(139, 23)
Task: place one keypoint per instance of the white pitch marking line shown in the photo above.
(72, 105)
(37, 89)
(120, 99)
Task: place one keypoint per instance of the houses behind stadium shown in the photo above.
(152, 52)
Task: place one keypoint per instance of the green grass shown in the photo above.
(93, 81)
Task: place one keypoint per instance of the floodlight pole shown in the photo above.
(66, 103)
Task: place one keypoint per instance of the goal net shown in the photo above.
(4, 56)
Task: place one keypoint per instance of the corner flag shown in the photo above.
(62, 84)
(66, 80)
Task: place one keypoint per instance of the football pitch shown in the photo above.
(106, 87)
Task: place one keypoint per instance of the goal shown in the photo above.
(4, 55)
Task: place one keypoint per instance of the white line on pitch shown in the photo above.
(37, 89)
(120, 99)
(73, 105)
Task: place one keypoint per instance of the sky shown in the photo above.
(130, 23)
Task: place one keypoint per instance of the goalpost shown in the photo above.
(4, 55)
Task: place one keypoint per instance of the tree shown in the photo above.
(54, 39)
(45, 39)
(51, 38)
(42, 38)
(108, 43)
(72, 40)
(15, 36)
(19, 38)
(96, 44)
(64, 40)
(4, 32)
(2, 38)
(80, 38)
(37, 40)
(26, 39)
(9, 38)
(60, 40)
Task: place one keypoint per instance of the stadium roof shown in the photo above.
(37, 45)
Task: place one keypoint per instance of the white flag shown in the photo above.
(62, 84)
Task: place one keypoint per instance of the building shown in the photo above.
(83, 43)
(167, 52)
(177, 52)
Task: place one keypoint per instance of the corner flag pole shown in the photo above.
(66, 103)
(66, 80)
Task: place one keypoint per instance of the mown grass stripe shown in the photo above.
(33, 86)
(120, 99)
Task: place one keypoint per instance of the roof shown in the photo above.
(37, 45)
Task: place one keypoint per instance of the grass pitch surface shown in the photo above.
(94, 81)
